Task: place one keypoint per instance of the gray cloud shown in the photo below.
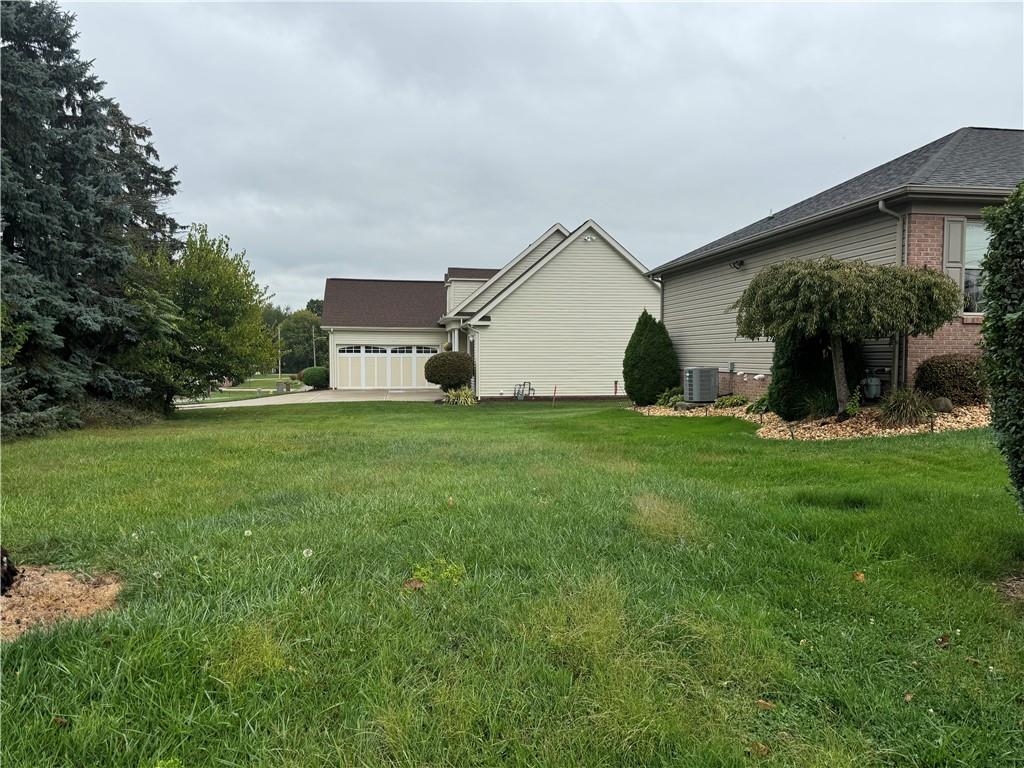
(395, 140)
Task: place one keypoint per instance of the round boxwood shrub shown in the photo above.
(449, 370)
(957, 376)
(316, 377)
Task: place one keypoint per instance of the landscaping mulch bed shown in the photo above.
(864, 424)
(1012, 588)
(43, 595)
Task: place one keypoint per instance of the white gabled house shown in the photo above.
(558, 315)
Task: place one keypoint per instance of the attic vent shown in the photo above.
(588, 238)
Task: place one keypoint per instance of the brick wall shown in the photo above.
(746, 385)
(924, 249)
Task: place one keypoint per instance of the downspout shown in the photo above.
(898, 342)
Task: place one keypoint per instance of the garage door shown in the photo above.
(370, 366)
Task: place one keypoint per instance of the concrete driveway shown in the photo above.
(327, 396)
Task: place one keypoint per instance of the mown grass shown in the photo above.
(601, 589)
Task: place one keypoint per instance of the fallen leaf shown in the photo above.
(907, 697)
(758, 748)
(414, 584)
(974, 661)
(765, 704)
(60, 722)
(451, 502)
(859, 576)
(943, 641)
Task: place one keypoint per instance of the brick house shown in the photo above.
(921, 209)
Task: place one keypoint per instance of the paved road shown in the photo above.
(326, 396)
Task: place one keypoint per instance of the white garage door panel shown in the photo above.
(369, 366)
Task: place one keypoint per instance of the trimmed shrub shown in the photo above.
(957, 376)
(649, 365)
(1003, 330)
(316, 377)
(904, 408)
(802, 382)
(666, 398)
(460, 396)
(731, 401)
(97, 412)
(450, 370)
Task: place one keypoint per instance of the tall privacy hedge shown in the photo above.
(649, 365)
(1003, 331)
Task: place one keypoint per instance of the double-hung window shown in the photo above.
(964, 248)
(975, 246)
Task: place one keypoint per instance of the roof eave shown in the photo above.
(905, 191)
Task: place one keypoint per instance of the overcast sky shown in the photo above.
(350, 140)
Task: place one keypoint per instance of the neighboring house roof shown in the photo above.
(469, 273)
(556, 227)
(970, 158)
(582, 229)
(352, 303)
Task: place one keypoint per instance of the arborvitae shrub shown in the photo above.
(649, 366)
(1003, 331)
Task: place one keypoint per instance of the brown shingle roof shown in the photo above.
(470, 273)
(351, 303)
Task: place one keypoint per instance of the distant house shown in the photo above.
(921, 209)
(559, 314)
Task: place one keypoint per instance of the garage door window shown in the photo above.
(426, 350)
(349, 350)
(401, 350)
(376, 350)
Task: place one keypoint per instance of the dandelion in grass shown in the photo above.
(307, 553)
(248, 532)
(157, 575)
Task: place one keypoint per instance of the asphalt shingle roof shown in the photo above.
(383, 303)
(968, 158)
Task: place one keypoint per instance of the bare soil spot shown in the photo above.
(1012, 588)
(864, 424)
(43, 596)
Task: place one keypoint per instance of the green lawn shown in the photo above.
(603, 589)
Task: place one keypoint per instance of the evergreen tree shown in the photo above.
(81, 188)
(649, 365)
(1003, 331)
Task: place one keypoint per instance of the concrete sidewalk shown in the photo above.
(326, 396)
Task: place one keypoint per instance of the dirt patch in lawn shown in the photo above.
(864, 424)
(1012, 588)
(43, 596)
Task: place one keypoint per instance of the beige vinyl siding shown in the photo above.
(566, 325)
(384, 337)
(458, 290)
(697, 300)
(502, 280)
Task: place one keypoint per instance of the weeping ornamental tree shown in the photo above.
(845, 301)
(1003, 331)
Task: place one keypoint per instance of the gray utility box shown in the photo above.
(700, 385)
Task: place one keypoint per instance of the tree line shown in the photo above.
(105, 296)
